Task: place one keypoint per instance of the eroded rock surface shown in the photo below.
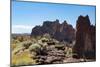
(85, 38)
(61, 32)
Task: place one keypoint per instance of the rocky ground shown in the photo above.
(40, 50)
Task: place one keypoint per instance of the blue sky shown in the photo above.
(26, 15)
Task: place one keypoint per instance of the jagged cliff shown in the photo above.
(85, 38)
(61, 32)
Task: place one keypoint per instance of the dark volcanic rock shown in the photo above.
(85, 38)
(61, 32)
(53, 56)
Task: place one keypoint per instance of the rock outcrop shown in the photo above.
(85, 39)
(61, 32)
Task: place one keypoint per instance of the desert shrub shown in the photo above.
(32, 39)
(60, 47)
(47, 36)
(56, 41)
(68, 52)
(21, 46)
(17, 50)
(13, 46)
(26, 38)
(44, 39)
(14, 37)
(26, 44)
(23, 58)
(51, 43)
(15, 41)
(36, 38)
(20, 38)
(34, 47)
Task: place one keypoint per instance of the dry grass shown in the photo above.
(22, 58)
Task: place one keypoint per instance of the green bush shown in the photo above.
(34, 47)
(60, 47)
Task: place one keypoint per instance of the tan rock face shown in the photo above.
(85, 38)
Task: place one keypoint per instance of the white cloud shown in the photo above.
(22, 28)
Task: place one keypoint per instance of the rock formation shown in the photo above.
(61, 32)
(85, 39)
